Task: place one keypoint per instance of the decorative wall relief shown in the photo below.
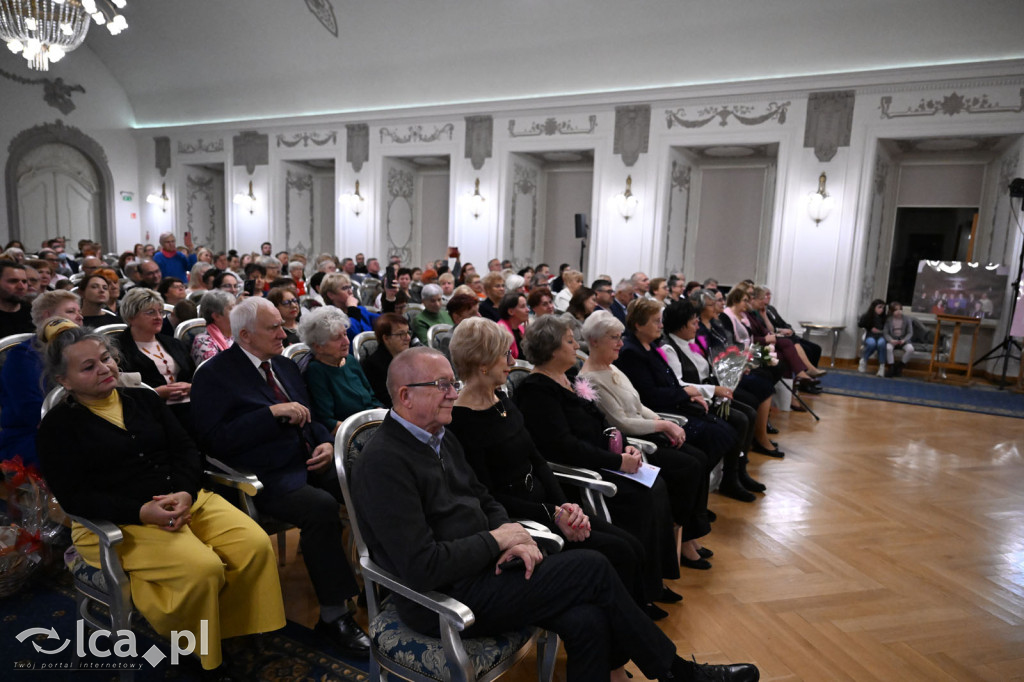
(1008, 170)
(417, 134)
(324, 13)
(304, 139)
(479, 138)
(632, 131)
(552, 126)
(829, 120)
(524, 184)
(358, 147)
(741, 112)
(56, 92)
(401, 184)
(200, 209)
(679, 197)
(871, 276)
(163, 154)
(200, 146)
(297, 184)
(251, 149)
(951, 105)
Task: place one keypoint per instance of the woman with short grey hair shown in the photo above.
(337, 386)
(216, 306)
(543, 337)
(598, 326)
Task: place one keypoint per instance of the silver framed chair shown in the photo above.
(296, 351)
(519, 371)
(398, 650)
(9, 342)
(433, 334)
(363, 346)
(112, 329)
(188, 330)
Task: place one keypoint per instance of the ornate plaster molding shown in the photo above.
(952, 104)
(829, 121)
(552, 126)
(632, 132)
(741, 112)
(297, 183)
(196, 187)
(208, 147)
(324, 13)
(479, 139)
(357, 149)
(162, 153)
(251, 149)
(400, 183)
(416, 134)
(56, 92)
(318, 139)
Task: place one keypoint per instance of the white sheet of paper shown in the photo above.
(646, 474)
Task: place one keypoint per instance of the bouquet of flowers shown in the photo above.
(763, 355)
(729, 366)
(29, 501)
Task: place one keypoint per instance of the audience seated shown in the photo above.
(216, 305)
(432, 313)
(438, 528)
(873, 324)
(898, 332)
(336, 289)
(337, 386)
(567, 427)
(393, 337)
(644, 364)
(791, 355)
(115, 454)
(513, 316)
(15, 317)
(95, 292)
(251, 410)
(686, 469)
(783, 328)
(23, 385)
(164, 363)
(492, 433)
(572, 280)
(494, 290)
(462, 306)
(540, 301)
(286, 300)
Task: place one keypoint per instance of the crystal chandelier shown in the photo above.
(43, 31)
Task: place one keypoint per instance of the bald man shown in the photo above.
(438, 528)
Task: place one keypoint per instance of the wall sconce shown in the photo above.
(625, 203)
(161, 198)
(353, 200)
(476, 202)
(249, 199)
(820, 203)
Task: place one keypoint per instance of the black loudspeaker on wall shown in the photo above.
(581, 226)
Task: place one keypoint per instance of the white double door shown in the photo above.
(58, 195)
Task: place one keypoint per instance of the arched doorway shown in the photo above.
(58, 183)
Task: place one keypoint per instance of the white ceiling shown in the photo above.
(197, 61)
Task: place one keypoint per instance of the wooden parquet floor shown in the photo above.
(889, 546)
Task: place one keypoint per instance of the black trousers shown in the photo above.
(314, 509)
(623, 551)
(578, 595)
(685, 470)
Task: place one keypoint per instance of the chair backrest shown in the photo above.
(369, 289)
(519, 371)
(189, 329)
(112, 329)
(300, 354)
(348, 445)
(9, 342)
(364, 345)
(433, 333)
(413, 309)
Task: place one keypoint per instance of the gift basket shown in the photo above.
(33, 532)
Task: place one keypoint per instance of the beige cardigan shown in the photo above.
(621, 403)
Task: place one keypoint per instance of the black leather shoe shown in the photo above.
(712, 516)
(699, 564)
(734, 490)
(705, 553)
(654, 612)
(775, 452)
(771, 429)
(346, 635)
(734, 672)
(667, 596)
(749, 483)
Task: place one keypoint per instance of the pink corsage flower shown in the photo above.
(584, 390)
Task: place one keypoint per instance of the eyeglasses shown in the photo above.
(406, 333)
(615, 337)
(347, 287)
(290, 301)
(442, 385)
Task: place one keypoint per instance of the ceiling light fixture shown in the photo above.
(44, 31)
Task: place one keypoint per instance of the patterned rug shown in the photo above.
(976, 398)
(294, 653)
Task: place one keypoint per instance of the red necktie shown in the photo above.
(278, 393)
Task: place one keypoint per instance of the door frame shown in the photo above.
(49, 133)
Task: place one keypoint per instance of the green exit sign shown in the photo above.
(127, 196)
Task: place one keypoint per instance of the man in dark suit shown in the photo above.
(439, 528)
(251, 408)
(623, 296)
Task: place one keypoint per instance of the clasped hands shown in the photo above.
(167, 512)
(514, 541)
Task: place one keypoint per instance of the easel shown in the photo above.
(957, 321)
